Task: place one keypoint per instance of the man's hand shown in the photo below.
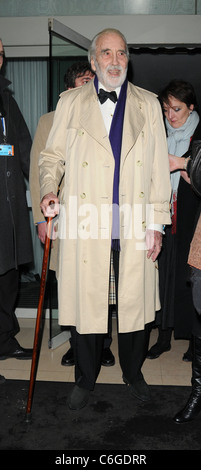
(42, 232)
(153, 243)
(50, 205)
(42, 229)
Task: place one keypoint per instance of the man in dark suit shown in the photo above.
(15, 234)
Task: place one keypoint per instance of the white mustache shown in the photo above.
(114, 67)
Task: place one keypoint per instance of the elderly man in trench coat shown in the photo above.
(114, 203)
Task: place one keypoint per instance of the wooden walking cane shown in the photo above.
(39, 315)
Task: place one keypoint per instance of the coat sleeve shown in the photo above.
(39, 143)
(52, 158)
(24, 139)
(160, 192)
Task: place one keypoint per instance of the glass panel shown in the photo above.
(63, 54)
(198, 3)
(96, 7)
(164, 7)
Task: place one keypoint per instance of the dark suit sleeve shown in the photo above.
(23, 138)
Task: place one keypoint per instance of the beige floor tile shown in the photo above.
(168, 369)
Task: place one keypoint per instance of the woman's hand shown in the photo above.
(176, 163)
(185, 176)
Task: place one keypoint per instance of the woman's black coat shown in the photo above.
(15, 234)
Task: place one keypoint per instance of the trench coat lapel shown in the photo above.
(91, 118)
(133, 123)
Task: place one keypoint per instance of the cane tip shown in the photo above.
(28, 417)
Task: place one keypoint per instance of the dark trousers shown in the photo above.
(196, 294)
(132, 349)
(9, 327)
(107, 337)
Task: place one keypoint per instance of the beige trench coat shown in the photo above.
(39, 142)
(79, 145)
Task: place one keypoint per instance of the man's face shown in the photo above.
(82, 79)
(111, 61)
(1, 54)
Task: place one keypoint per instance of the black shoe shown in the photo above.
(19, 353)
(191, 410)
(139, 390)
(78, 398)
(187, 357)
(2, 379)
(108, 359)
(157, 350)
(68, 358)
(193, 405)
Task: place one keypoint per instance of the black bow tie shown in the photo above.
(104, 95)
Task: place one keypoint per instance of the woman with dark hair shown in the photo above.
(182, 121)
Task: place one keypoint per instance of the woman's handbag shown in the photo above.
(194, 165)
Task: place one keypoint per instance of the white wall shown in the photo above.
(29, 37)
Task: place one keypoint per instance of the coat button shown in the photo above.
(139, 163)
(141, 194)
(83, 195)
(8, 174)
(85, 164)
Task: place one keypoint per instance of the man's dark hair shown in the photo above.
(78, 69)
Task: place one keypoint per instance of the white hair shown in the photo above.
(92, 47)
